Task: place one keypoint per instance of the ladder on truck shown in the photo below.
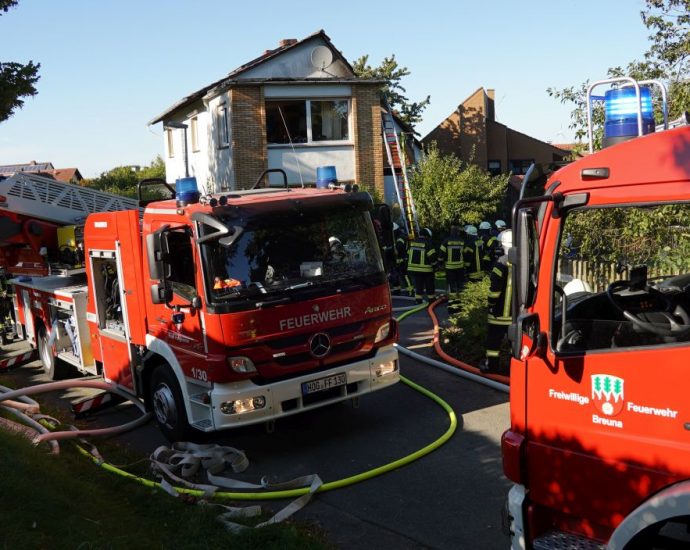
(396, 160)
(57, 201)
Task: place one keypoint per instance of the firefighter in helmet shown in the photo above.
(490, 246)
(499, 318)
(452, 256)
(473, 254)
(400, 282)
(6, 321)
(421, 258)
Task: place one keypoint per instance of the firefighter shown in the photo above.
(400, 282)
(452, 256)
(6, 321)
(421, 257)
(499, 317)
(473, 254)
(491, 247)
(499, 226)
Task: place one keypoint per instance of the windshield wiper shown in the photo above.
(300, 285)
(276, 302)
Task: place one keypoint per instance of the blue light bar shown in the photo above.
(186, 190)
(621, 108)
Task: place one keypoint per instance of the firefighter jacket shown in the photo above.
(452, 253)
(421, 256)
(492, 251)
(400, 249)
(501, 292)
(473, 257)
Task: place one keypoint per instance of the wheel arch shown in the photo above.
(671, 502)
(161, 354)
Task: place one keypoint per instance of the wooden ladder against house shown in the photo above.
(396, 160)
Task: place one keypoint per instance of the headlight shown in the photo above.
(243, 405)
(389, 367)
(383, 332)
(241, 365)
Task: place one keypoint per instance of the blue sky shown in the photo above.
(108, 67)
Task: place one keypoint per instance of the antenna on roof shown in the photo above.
(321, 57)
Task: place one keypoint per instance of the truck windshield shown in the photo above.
(624, 274)
(288, 253)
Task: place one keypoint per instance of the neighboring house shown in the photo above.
(297, 107)
(33, 166)
(68, 175)
(472, 133)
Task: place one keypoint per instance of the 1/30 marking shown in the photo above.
(200, 374)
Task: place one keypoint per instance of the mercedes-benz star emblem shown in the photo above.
(320, 345)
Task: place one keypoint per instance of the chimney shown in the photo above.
(285, 42)
(490, 104)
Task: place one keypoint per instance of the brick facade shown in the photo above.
(366, 111)
(248, 134)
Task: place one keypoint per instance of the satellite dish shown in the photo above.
(321, 57)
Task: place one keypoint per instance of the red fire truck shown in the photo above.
(224, 310)
(599, 443)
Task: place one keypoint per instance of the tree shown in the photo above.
(123, 180)
(668, 59)
(16, 80)
(392, 73)
(447, 191)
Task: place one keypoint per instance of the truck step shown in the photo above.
(203, 425)
(557, 540)
(17, 360)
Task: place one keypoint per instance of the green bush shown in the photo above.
(465, 336)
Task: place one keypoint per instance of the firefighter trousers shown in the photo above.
(497, 349)
(424, 285)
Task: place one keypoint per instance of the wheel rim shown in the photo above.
(164, 405)
(45, 352)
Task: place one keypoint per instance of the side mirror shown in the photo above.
(526, 337)
(157, 252)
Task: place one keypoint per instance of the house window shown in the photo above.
(329, 120)
(494, 167)
(195, 133)
(519, 167)
(307, 121)
(171, 148)
(222, 123)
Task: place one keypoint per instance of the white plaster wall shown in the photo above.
(305, 159)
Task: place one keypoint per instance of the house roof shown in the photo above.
(237, 73)
(64, 174)
(32, 166)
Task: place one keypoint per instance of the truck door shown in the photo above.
(606, 395)
(177, 322)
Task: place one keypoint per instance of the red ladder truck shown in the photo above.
(224, 310)
(599, 444)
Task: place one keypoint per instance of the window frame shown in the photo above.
(170, 142)
(194, 133)
(311, 142)
(222, 125)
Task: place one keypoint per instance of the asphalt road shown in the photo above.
(449, 499)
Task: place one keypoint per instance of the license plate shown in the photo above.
(326, 383)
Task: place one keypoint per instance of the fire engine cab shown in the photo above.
(224, 310)
(599, 443)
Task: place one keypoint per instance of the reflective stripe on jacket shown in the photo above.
(501, 292)
(421, 256)
(452, 251)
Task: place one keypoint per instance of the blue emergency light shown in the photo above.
(186, 190)
(621, 108)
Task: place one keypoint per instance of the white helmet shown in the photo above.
(506, 239)
(426, 231)
(334, 241)
(471, 230)
(484, 226)
(500, 224)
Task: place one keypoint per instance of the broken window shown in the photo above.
(307, 121)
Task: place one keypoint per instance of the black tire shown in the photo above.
(47, 355)
(168, 407)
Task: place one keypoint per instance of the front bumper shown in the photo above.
(285, 398)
